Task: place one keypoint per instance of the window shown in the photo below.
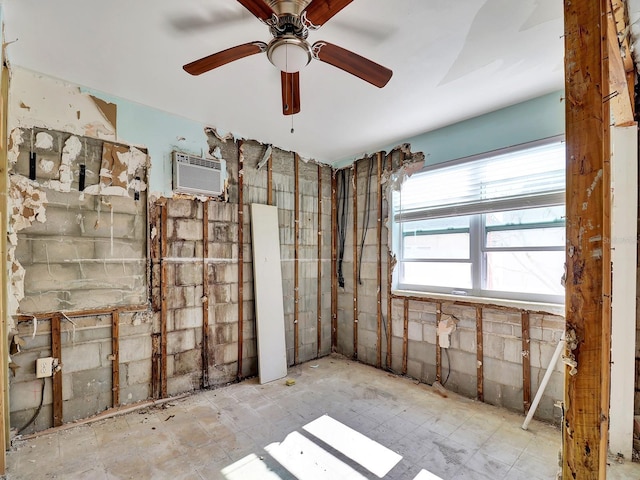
(489, 226)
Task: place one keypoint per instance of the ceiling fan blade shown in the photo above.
(290, 93)
(320, 11)
(352, 63)
(258, 7)
(225, 56)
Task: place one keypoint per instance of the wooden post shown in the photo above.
(480, 354)
(296, 259)
(389, 281)
(405, 337)
(240, 256)
(319, 274)
(355, 259)
(204, 379)
(438, 349)
(379, 258)
(163, 301)
(526, 362)
(585, 432)
(156, 365)
(115, 362)
(334, 261)
(56, 352)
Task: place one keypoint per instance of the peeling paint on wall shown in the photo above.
(44, 141)
(15, 140)
(72, 148)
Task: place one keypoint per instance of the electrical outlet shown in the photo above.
(44, 367)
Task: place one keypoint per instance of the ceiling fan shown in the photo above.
(289, 22)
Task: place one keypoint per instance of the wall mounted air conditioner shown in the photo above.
(198, 176)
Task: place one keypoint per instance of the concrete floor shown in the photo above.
(225, 434)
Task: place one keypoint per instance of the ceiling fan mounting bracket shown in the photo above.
(288, 25)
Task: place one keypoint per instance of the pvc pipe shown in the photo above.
(544, 382)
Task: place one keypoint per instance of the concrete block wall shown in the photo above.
(502, 333)
(87, 366)
(91, 250)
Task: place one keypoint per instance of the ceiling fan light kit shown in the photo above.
(289, 22)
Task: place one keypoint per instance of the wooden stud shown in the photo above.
(83, 313)
(405, 338)
(270, 180)
(115, 362)
(204, 379)
(156, 364)
(163, 302)
(355, 260)
(334, 261)
(240, 256)
(296, 258)
(379, 258)
(621, 70)
(319, 274)
(585, 426)
(438, 349)
(389, 282)
(56, 352)
(479, 354)
(526, 362)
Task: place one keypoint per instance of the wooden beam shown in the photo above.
(83, 313)
(526, 362)
(438, 349)
(480, 354)
(240, 256)
(405, 336)
(620, 92)
(379, 258)
(204, 378)
(319, 267)
(334, 261)
(56, 352)
(296, 259)
(355, 259)
(390, 259)
(585, 431)
(163, 302)
(156, 365)
(115, 359)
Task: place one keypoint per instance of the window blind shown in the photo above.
(534, 177)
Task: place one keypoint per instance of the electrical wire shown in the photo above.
(446, 352)
(35, 415)
(365, 222)
(343, 205)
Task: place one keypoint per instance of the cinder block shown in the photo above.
(187, 229)
(135, 393)
(187, 362)
(91, 382)
(181, 208)
(180, 341)
(138, 372)
(415, 331)
(135, 348)
(185, 318)
(502, 372)
(182, 384)
(81, 357)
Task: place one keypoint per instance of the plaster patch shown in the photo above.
(72, 148)
(222, 137)
(46, 165)
(446, 326)
(15, 140)
(44, 141)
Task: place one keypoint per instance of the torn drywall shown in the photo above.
(71, 150)
(446, 326)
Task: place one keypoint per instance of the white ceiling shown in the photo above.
(452, 60)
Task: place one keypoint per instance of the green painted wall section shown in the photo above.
(532, 120)
(161, 133)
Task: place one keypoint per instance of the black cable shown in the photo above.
(342, 222)
(446, 352)
(35, 415)
(365, 222)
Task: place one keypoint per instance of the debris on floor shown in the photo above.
(290, 382)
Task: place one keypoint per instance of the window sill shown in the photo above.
(547, 308)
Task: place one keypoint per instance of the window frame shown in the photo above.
(478, 239)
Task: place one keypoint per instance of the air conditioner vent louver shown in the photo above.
(199, 176)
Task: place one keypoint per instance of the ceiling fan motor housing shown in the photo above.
(288, 7)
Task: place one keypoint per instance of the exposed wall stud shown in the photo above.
(163, 301)
(389, 279)
(405, 337)
(585, 426)
(438, 349)
(296, 259)
(334, 261)
(204, 379)
(379, 258)
(355, 260)
(526, 362)
(319, 274)
(115, 362)
(240, 256)
(56, 352)
(480, 354)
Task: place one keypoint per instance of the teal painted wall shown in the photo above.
(161, 133)
(532, 120)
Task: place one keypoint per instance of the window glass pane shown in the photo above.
(526, 216)
(530, 237)
(436, 239)
(437, 274)
(530, 272)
